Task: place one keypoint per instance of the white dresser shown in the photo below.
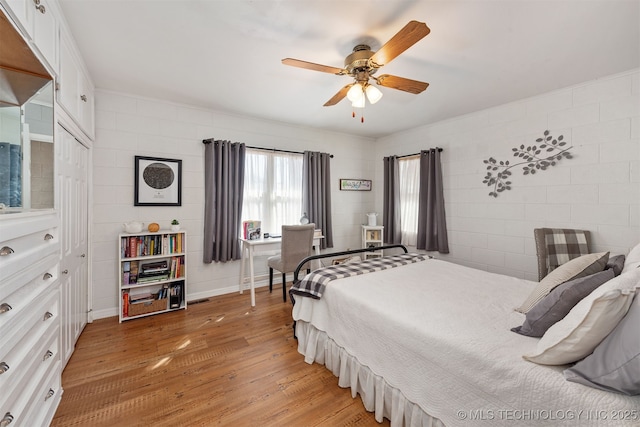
(30, 364)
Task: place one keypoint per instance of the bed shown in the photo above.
(428, 343)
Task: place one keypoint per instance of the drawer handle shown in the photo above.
(50, 393)
(47, 315)
(47, 355)
(6, 250)
(48, 236)
(39, 7)
(83, 98)
(47, 275)
(6, 420)
(3, 367)
(4, 307)
(65, 271)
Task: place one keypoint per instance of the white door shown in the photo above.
(73, 172)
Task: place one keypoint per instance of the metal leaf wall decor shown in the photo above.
(547, 152)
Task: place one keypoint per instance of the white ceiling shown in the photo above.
(225, 54)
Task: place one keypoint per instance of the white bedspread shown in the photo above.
(439, 332)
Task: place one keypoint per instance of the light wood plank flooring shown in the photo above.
(220, 363)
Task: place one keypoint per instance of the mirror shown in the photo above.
(26, 126)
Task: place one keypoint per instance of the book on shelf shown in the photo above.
(133, 273)
(125, 304)
(126, 272)
(177, 266)
(172, 271)
(135, 246)
(175, 295)
(251, 229)
(163, 293)
(153, 278)
(154, 267)
(179, 242)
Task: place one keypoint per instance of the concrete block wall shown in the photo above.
(127, 126)
(598, 189)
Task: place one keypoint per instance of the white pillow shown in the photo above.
(588, 323)
(582, 266)
(632, 260)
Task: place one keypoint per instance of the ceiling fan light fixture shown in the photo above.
(358, 103)
(355, 93)
(373, 94)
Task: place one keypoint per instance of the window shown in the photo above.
(272, 189)
(409, 171)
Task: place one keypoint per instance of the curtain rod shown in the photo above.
(207, 141)
(417, 154)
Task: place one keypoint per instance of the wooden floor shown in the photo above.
(219, 362)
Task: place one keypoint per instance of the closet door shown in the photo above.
(73, 172)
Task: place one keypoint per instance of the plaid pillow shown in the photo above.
(563, 245)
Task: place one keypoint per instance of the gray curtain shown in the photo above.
(391, 210)
(432, 226)
(316, 193)
(223, 191)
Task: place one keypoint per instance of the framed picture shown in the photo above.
(158, 182)
(355, 184)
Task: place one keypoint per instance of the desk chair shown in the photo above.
(297, 243)
(555, 246)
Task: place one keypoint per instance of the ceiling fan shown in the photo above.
(362, 64)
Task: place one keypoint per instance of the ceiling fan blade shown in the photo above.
(312, 66)
(413, 32)
(338, 96)
(400, 83)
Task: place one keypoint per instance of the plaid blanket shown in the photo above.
(313, 284)
(563, 245)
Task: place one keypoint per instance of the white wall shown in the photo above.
(127, 126)
(598, 190)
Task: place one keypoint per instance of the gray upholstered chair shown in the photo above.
(555, 246)
(297, 243)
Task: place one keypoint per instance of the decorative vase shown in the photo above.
(175, 227)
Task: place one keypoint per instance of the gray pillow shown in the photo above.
(614, 365)
(559, 302)
(577, 267)
(616, 263)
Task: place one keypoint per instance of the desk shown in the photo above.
(261, 245)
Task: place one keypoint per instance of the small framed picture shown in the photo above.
(158, 182)
(355, 184)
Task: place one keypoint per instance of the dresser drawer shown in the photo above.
(30, 317)
(35, 406)
(44, 402)
(40, 275)
(22, 252)
(37, 351)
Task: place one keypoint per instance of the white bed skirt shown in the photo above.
(377, 396)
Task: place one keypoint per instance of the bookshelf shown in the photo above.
(372, 235)
(152, 274)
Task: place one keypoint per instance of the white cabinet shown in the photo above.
(75, 92)
(30, 368)
(38, 20)
(152, 273)
(372, 236)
